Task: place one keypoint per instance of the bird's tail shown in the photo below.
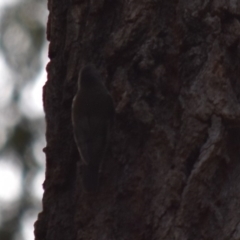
(90, 178)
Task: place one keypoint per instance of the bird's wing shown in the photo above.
(83, 138)
(99, 135)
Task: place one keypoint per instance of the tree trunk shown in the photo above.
(172, 167)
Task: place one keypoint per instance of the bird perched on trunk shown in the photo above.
(92, 118)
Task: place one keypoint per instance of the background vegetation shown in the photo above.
(23, 56)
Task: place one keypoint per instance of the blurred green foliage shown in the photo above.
(22, 37)
(22, 40)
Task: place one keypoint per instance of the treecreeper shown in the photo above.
(92, 119)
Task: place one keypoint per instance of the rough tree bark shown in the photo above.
(172, 169)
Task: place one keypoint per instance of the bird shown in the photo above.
(92, 119)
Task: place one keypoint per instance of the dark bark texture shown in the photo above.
(172, 170)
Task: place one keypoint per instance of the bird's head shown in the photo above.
(89, 76)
